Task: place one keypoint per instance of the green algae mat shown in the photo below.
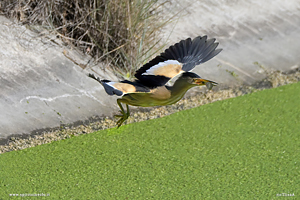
(242, 148)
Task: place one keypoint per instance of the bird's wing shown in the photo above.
(178, 58)
(120, 88)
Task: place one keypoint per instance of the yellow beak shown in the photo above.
(209, 84)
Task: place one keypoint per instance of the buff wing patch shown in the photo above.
(169, 69)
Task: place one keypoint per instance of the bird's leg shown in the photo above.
(124, 115)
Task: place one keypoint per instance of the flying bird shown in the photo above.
(151, 85)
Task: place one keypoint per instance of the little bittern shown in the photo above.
(150, 87)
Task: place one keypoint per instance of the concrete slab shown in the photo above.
(251, 33)
(41, 88)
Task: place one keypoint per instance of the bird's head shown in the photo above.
(195, 80)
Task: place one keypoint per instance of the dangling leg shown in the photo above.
(124, 115)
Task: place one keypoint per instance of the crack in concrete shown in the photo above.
(83, 92)
(49, 99)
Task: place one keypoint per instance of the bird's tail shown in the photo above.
(108, 86)
(94, 77)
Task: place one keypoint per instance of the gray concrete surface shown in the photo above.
(255, 31)
(41, 88)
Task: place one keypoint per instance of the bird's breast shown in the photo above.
(157, 97)
(160, 93)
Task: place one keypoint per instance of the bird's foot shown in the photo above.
(123, 117)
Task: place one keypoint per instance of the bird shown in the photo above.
(151, 86)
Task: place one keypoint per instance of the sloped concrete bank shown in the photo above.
(253, 34)
(41, 87)
(274, 79)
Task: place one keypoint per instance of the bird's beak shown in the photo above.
(209, 84)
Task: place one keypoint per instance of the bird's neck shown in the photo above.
(179, 89)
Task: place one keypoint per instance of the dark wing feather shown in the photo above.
(187, 52)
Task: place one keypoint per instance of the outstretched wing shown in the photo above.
(178, 58)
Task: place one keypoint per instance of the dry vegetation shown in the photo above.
(120, 33)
